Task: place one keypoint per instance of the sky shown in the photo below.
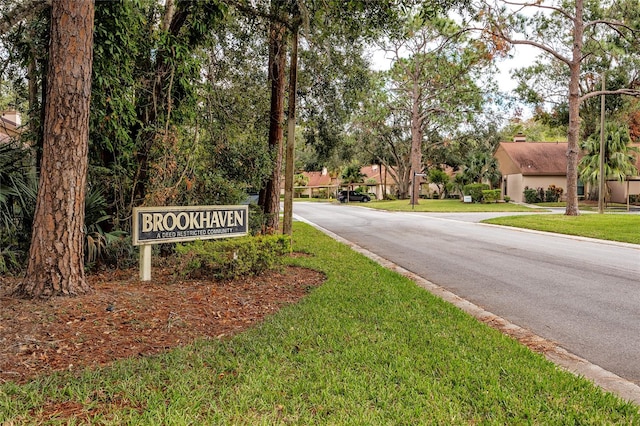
(522, 56)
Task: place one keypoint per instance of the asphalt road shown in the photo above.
(584, 295)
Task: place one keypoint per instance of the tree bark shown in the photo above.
(291, 137)
(416, 143)
(270, 195)
(56, 256)
(573, 133)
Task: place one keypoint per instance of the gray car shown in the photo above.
(353, 196)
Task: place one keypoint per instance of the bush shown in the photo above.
(475, 190)
(507, 198)
(539, 195)
(491, 195)
(233, 257)
(120, 253)
(553, 194)
(530, 195)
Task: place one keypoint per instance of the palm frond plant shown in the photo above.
(98, 236)
(619, 156)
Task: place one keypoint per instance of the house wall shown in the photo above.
(618, 190)
(512, 187)
(516, 183)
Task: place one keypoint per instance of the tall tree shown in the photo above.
(269, 198)
(547, 30)
(56, 260)
(434, 80)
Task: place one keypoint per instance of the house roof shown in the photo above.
(533, 158)
(318, 178)
(377, 172)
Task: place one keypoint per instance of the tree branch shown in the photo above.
(541, 6)
(627, 92)
(22, 11)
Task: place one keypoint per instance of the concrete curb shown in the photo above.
(605, 379)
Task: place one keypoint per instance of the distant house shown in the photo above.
(320, 185)
(379, 180)
(541, 164)
(323, 184)
(9, 125)
(533, 165)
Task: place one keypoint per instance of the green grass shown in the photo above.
(614, 227)
(369, 347)
(587, 206)
(447, 206)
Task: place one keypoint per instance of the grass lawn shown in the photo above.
(447, 206)
(369, 347)
(614, 227)
(588, 206)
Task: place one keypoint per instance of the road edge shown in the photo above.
(579, 366)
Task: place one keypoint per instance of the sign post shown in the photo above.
(414, 197)
(156, 225)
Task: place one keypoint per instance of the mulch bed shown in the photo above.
(125, 317)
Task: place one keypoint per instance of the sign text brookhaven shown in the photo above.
(154, 225)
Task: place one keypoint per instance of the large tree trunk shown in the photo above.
(416, 144)
(270, 195)
(291, 137)
(573, 134)
(56, 256)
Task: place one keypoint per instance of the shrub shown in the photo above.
(530, 195)
(475, 190)
(233, 257)
(553, 194)
(120, 253)
(490, 195)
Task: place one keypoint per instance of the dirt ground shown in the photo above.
(125, 317)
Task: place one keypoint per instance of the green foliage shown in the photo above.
(476, 191)
(619, 158)
(97, 238)
(553, 194)
(439, 178)
(482, 166)
(539, 195)
(490, 195)
(352, 174)
(233, 257)
(18, 188)
(531, 196)
(120, 253)
(535, 130)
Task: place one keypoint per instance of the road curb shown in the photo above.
(579, 366)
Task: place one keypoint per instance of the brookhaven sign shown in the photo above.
(155, 225)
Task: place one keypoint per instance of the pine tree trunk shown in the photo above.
(56, 256)
(270, 194)
(573, 135)
(416, 144)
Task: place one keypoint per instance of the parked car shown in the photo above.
(353, 196)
